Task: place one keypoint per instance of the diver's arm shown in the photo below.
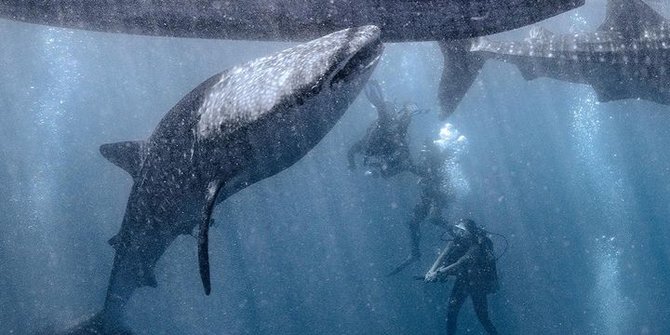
(404, 121)
(461, 262)
(374, 94)
(440, 259)
(383, 114)
(432, 274)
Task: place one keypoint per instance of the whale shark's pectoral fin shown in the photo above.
(203, 234)
(126, 155)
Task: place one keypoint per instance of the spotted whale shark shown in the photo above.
(291, 20)
(233, 130)
(628, 57)
(288, 20)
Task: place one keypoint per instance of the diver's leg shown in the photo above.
(392, 168)
(419, 214)
(439, 221)
(405, 160)
(480, 303)
(435, 215)
(456, 300)
(400, 161)
(374, 166)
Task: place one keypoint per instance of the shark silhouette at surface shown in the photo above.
(290, 20)
(236, 128)
(628, 57)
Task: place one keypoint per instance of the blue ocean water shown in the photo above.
(579, 188)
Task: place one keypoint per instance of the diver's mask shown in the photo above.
(460, 230)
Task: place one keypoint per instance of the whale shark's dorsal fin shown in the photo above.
(126, 155)
(630, 17)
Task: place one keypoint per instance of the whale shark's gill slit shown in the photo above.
(364, 58)
(203, 234)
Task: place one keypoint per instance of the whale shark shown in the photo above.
(291, 20)
(288, 20)
(628, 57)
(236, 128)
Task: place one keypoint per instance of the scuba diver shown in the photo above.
(385, 147)
(432, 199)
(442, 184)
(470, 258)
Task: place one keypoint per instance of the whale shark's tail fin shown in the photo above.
(461, 67)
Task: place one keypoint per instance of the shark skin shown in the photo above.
(289, 20)
(628, 57)
(233, 130)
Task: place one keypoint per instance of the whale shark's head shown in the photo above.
(326, 74)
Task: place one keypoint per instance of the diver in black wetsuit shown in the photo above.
(433, 199)
(470, 258)
(384, 147)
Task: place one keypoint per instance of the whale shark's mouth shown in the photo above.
(364, 59)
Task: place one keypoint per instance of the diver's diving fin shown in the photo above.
(203, 234)
(127, 155)
(461, 67)
(407, 262)
(630, 18)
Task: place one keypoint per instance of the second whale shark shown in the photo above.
(291, 20)
(288, 20)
